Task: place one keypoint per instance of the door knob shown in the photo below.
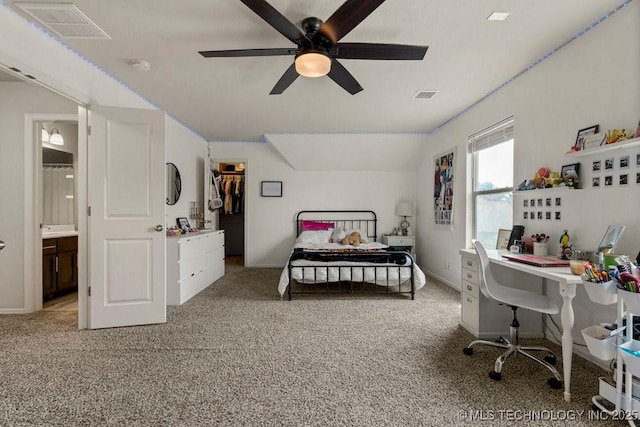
(158, 227)
(2, 245)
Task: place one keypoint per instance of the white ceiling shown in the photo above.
(227, 99)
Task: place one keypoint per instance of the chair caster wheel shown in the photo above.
(496, 376)
(550, 359)
(468, 351)
(554, 384)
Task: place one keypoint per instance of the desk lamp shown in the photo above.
(404, 209)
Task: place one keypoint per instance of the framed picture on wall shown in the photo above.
(271, 189)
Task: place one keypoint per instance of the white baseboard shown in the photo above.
(13, 311)
(442, 280)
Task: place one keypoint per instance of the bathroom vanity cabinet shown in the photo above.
(59, 266)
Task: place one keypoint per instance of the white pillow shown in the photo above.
(315, 236)
(338, 234)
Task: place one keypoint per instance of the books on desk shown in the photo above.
(536, 260)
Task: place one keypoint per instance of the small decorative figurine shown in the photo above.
(565, 246)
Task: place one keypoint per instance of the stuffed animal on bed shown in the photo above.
(353, 239)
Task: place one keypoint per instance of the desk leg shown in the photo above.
(567, 291)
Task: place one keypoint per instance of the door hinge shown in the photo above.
(89, 211)
(89, 130)
(89, 290)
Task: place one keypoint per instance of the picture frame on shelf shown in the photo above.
(570, 174)
(582, 136)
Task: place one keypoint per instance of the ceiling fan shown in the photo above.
(318, 50)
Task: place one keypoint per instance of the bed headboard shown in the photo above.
(361, 220)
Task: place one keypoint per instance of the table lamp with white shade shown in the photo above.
(404, 209)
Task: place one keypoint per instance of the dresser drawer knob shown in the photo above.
(469, 263)
(469, 275)
(469, 287)
(469, 300)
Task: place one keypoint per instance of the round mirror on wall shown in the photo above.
(174, 184)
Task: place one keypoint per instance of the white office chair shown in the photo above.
(514, 298)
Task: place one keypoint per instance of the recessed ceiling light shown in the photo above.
(498, 16)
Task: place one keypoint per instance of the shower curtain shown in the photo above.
(57, 195)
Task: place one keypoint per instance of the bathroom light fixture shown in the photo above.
(44, 135)
(56, 138)
(313, 63)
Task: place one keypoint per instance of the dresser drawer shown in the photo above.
(192, 266)
(470, 276)
(191, 246)
(215, 256)
(470, 263)
(469, 288)
(470, 310)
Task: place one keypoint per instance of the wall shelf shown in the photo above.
(605, 148)
(544, 190)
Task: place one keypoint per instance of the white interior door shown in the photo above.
(126, 236)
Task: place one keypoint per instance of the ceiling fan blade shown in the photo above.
(345, 19)
(275, 19)
(285, 81)
(340, 75)
(380, 51)
(247, 52)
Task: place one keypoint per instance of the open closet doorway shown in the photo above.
(231, 216)
(57, 183)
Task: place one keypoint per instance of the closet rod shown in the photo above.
(58, 164)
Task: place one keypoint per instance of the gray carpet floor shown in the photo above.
(236, 355)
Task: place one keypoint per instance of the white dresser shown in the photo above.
(194, 261)
(484, 318)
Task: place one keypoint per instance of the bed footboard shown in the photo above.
(385, 272)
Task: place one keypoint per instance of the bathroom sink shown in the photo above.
(54, 234)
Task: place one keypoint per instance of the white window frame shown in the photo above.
(491, 136)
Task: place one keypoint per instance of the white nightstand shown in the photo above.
(407, 243)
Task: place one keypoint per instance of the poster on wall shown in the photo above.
(443, 189)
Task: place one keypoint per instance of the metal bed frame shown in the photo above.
(360, 220)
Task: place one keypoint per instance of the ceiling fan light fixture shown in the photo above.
(313, 63)
(56, 138)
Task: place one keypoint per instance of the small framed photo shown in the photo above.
(525, 203)
(547, 202)
(540, 215)
(595, 181)
(624, 162)
(608, 164)
(271, 189)
(540, 203)
(532, 203)
(571, 174)
(595, 168)
(557, 215)
(182, 223)
(637, 159)
(525, 215)
(582, 136)
(638, 178)
(532, 215)
(608, 181)
(503, 238)
(558, 201)
(624, 179)
(547, 215)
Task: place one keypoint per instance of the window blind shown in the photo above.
(493, 135)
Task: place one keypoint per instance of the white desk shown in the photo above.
(567, 287)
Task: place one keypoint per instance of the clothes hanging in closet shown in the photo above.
(233, 186)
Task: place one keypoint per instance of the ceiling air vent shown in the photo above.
(64, 19)
(425, 94)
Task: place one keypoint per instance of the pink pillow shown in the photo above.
(316, 225)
